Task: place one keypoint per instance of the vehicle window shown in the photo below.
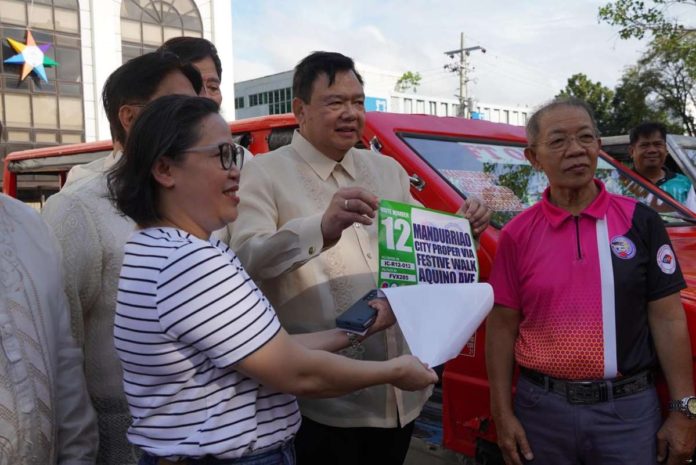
(619, 151)
(280, 137)
(500, 175)
(243, 139)
(688, 146)
(39, 178)
(691, 153)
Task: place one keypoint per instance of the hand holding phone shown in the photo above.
(385, 316)
(360, 316)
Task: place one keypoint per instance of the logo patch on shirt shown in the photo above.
(623, 247)
(666, 260)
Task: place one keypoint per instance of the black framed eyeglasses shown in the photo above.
(230, 154)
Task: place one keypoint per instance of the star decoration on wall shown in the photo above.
(31, 56)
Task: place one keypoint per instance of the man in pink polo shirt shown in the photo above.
(587, 300)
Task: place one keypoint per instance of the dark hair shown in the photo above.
(647, 129)
(190, 49)
(166, 128)
(312, 66)
(137, 80)
(532, 127)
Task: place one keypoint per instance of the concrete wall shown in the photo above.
(254, 86)
(100, 23)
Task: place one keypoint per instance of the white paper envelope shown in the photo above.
(438, 319)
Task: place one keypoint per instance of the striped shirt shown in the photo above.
(186, 313)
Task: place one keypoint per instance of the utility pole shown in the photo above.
(463, 78)
(462, 67)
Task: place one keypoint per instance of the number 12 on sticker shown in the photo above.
(391, 226)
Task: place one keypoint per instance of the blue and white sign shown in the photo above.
(375, 104)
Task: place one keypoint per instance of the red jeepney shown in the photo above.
(447, 159)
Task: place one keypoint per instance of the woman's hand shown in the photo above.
(385, 316)
(412, 373)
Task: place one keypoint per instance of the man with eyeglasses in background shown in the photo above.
(92, 235)
(648, 148)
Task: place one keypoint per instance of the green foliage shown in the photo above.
(598, 96)
(652, 90)
(636, 19)
(662, 85)
(668, 70)
(408, 80)
(634, 103)
(521, 180)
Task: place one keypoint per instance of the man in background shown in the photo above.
(47, 417)
(648, 148)
(92, 235)
(202, 54)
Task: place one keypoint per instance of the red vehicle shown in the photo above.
(30, 174)
(449, 159)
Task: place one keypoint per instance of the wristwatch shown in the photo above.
(687, 406)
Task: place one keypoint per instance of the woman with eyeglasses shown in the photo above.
(209, 373)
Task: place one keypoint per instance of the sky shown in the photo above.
(533, 46)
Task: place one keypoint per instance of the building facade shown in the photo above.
(272, 94)
(89, 39)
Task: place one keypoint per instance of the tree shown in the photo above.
(668, 68)
(599, 97)
(634, 103)
(408, 80)
(635, 19)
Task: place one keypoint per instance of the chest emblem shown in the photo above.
(666, 259)
(623, 247)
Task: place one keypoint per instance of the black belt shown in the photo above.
(591, 392)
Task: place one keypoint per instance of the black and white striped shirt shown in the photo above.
(187, 312)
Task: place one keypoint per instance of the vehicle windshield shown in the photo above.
(500, 175)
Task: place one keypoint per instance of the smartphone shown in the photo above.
(359, 316)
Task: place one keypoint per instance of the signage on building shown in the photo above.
(31, 56)
(375, 104)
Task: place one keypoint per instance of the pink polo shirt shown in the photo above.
(583, 284)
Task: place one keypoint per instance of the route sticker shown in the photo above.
(422, 246)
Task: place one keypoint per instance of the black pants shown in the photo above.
(318, 444)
